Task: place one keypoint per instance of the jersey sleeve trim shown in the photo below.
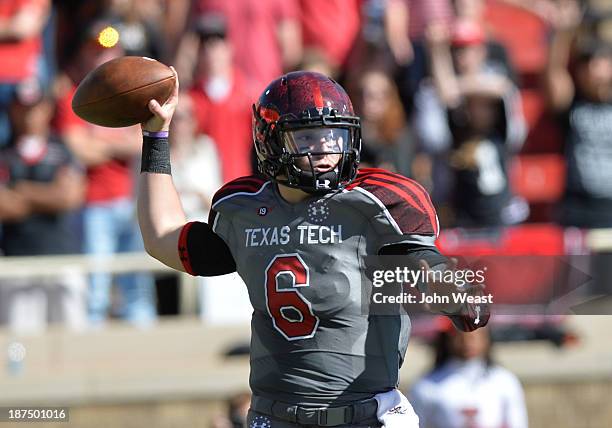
(250, 186)
(213, 218)
(182, 248)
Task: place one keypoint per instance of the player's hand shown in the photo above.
(162, 115)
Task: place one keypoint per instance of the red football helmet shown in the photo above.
(306, 133)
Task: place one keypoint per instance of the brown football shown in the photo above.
(116, 93)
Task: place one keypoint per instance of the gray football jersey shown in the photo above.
(312, 343)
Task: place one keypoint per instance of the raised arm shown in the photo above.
(559, 85)
(28, 22)
(160, 213)
(396, 31)
(442, 69)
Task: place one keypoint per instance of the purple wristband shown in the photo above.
(158, 134)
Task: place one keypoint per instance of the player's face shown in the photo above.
(324, 144)
(34, 119)
(470, 345)
(594, 78)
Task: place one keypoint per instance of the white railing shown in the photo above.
(49, 266)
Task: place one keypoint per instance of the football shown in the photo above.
(116, 93)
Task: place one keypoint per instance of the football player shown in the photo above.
(297, 234)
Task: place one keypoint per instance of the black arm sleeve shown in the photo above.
(203, 252)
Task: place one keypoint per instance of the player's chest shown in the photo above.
(309, 228)
(317, 253)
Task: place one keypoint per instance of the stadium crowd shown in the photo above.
(500, 108)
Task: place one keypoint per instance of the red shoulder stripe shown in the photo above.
(395, 189)
(377, 173)
(424, 203)
(411, 198)
(232, 188)
(420, 193)
(415, 186)
(365, 172)
(251, 178)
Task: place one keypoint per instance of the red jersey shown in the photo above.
(19, 58)
(228, 123)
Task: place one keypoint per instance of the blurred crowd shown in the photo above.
(458, 94)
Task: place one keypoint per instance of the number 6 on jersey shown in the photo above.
(291, 313)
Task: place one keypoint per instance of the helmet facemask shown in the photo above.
(317, 153)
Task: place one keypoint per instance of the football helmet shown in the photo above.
(306, 134)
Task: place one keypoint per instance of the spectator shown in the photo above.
(316, 60)
(469, 117)
(221, 99)
(405, 25)
(21, 26)
(139, 36)
(197, 176)
(197, 171)
(582, 96)
(109, 213)
(41, 185)
(466, 388)
(264, 34)
(175, 20)
(331, 26)
(385, 134)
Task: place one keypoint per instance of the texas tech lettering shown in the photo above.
(320, 234)
(305, 234)
(267, 236)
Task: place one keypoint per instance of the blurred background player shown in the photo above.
(466, 388)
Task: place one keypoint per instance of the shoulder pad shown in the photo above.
(406, 201)
(249, 184)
